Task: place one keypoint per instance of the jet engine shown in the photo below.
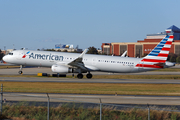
(61, 69)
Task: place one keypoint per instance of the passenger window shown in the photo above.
(10, 53)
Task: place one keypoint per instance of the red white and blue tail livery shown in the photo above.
(158, 56)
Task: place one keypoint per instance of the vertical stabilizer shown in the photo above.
(158, 56)
(161, 51)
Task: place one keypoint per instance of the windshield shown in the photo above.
(10, 54)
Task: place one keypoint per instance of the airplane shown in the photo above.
(63, 62)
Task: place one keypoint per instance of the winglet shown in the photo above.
(82, 54)
(123, 55)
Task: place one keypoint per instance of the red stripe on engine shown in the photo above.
(153, 60)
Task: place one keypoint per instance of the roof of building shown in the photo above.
(174, 28)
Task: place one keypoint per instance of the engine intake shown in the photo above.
(61, 69)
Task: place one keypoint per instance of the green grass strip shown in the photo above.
(93, 88)
(8, 66)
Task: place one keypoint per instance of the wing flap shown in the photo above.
(78, 62)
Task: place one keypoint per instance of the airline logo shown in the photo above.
(24, 56)
(43, 56)
(158, 56)
(46, 57)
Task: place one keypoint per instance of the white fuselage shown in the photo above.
(92, 62)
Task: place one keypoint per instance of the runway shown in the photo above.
(75, 80)
(110, 99)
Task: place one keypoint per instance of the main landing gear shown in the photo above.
(89, 75)
(80, 76)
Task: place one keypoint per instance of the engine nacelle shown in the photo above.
(61, 69)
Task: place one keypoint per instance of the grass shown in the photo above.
(8, 66)
(93, 88)
(18, 75)
(69, 112)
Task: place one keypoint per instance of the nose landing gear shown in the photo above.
(20, 71)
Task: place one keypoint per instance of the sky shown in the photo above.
(37, 24)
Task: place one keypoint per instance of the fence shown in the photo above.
(45, 99)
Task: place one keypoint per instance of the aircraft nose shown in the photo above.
(5, 58)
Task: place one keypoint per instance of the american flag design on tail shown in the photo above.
(158, 56)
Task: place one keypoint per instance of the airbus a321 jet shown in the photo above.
(63, 63)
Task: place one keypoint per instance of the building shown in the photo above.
(6, 51)
(144, 47)
(66, 47)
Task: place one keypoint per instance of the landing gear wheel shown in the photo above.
(80, 76)
(20, 72)
(89, 75)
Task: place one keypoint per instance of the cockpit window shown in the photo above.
(10, 54)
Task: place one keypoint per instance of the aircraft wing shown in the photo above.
(78, 62)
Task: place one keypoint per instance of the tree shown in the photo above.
(173, 58)
(92, 50)
(64, 51)
(49, 50)
(178, 59)
(1, 54)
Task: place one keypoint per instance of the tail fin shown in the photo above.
(158, 56)
(160, 53)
